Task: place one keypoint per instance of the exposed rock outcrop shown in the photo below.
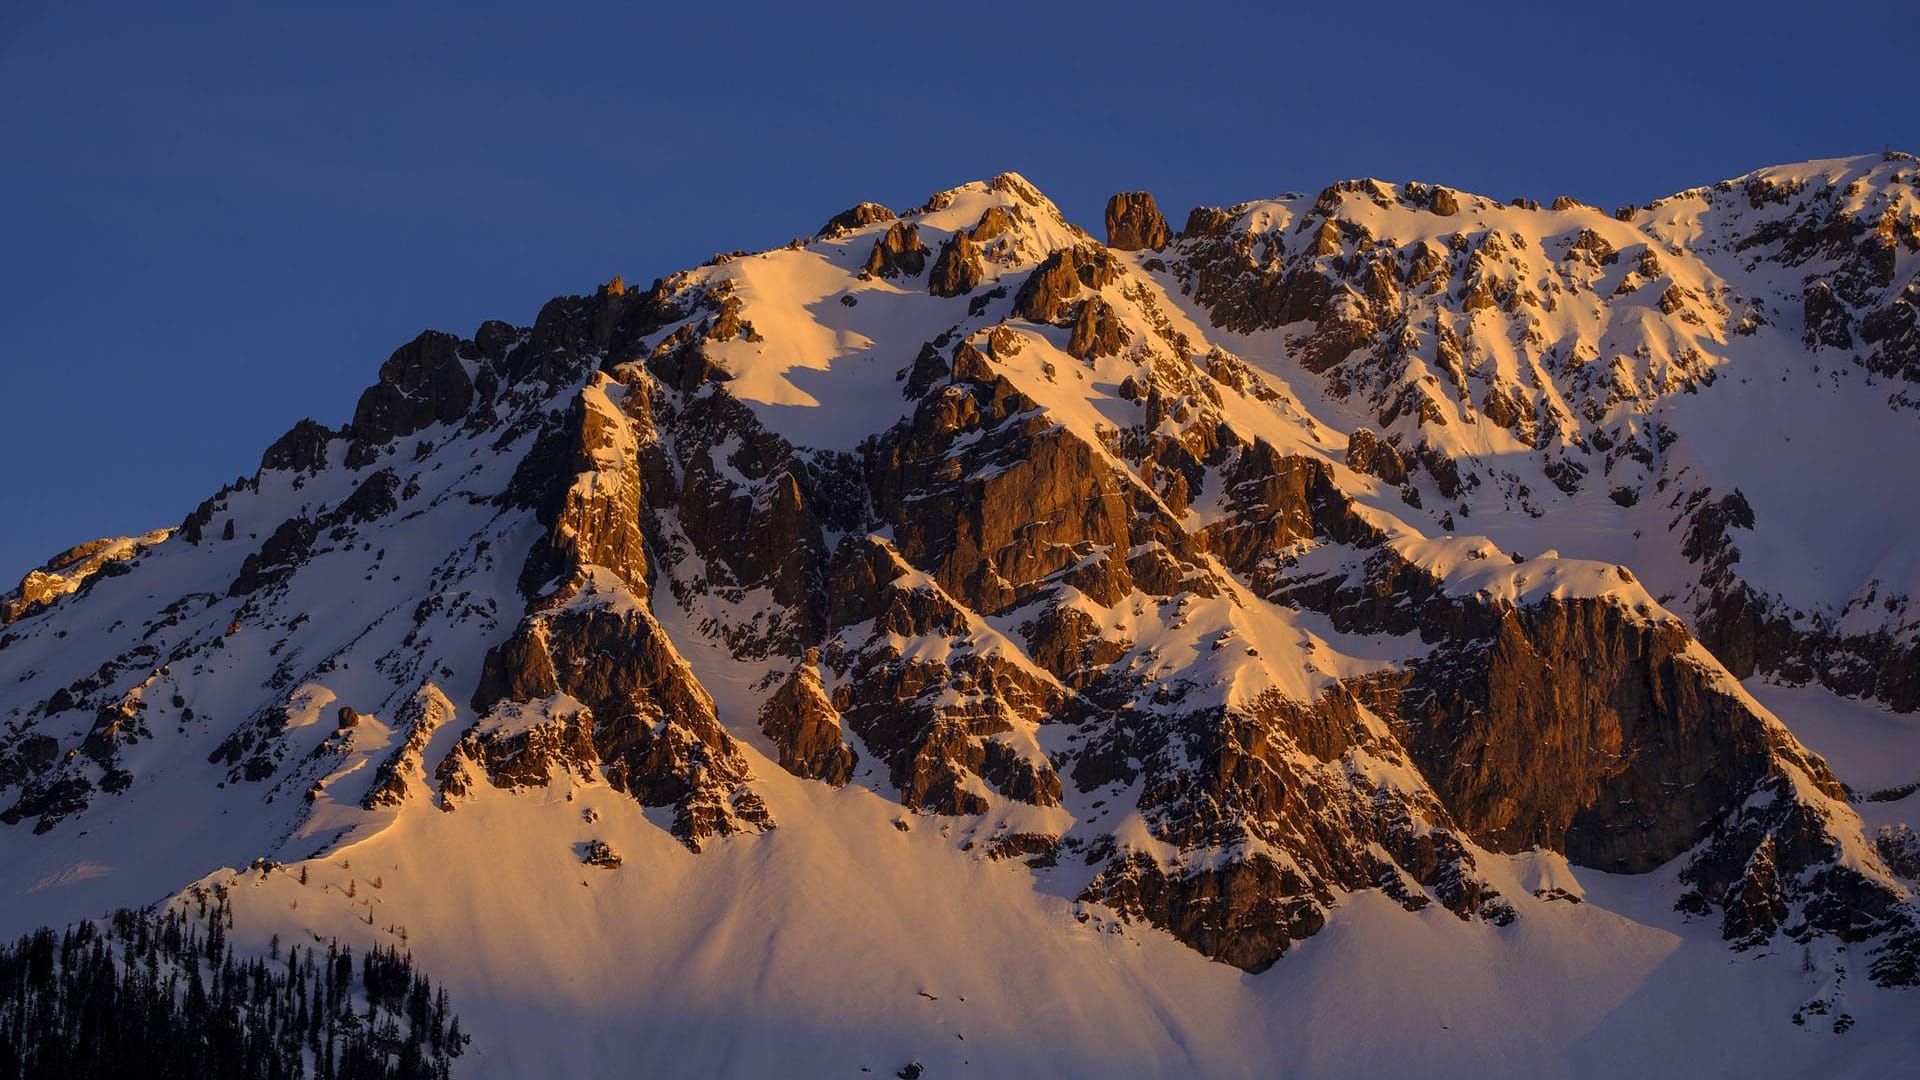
(1060, 278)
(1622, 765)
(1097, 331)
(600, 854)
(959, 269)
(1134, 223)
(73, 570)
(805, 727)
(282, 553)
(589, 680)
(424, 713)
(1826, 319)
(423, 383)
(856, 217)
(899, 253)
(302, 449)
(1368, 454)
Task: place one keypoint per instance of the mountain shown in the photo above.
(1382, 629)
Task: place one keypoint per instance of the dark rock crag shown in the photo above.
(1134, 223)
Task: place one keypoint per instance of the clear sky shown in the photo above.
(217, 220)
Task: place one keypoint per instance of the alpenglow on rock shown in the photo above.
(1386, 554)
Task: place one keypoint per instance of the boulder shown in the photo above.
(599, 853)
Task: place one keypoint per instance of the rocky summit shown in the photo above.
(1482, 629)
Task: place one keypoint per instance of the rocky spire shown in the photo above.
(1134, 223)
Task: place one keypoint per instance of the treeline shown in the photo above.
(163, 996)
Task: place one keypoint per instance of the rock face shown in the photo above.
(804, 725)
(1097, 331)
(421, 384)
(301, 449)
(1826, 319)
(1134, 223)
(404, 770)
(1620, 768)
(1367, 454)
(1060, 278)
(637, 714)
(959, 270)
(1033, 550)
(279, 557)
(899, 253)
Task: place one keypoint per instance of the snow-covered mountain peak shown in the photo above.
(1384, 562)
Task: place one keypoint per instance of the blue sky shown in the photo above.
(216, 220)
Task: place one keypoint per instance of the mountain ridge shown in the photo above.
(1076, 547)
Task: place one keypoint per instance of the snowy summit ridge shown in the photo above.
(1139, 651)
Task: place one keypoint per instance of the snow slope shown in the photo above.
(851, 944)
